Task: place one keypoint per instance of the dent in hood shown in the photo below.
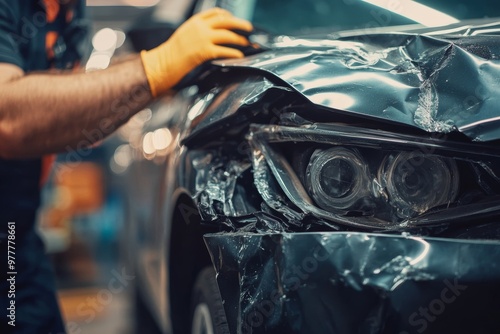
(435, 84)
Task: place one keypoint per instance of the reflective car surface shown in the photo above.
(342, 178)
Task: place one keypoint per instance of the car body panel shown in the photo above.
(429, 82)
(344, 282)
(153, 185)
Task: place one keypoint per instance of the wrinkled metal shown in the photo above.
(338, 282)
(322, 278)
(432, 83)
(435, 83)
(216, 183)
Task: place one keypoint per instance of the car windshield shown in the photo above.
(300, 16)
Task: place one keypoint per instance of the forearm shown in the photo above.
(50, 112)
(45, 113)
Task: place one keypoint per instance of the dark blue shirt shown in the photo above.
(35, 37)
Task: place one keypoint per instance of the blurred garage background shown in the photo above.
(82, 218)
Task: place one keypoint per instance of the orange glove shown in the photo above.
(199, 39)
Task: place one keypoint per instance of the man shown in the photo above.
(44, 112)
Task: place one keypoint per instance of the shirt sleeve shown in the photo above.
(9, 37)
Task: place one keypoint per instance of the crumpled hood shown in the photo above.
(436, 84)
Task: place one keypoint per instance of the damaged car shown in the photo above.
(344, 177)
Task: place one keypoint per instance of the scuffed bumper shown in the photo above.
(343, 282)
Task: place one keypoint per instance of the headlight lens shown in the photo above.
(339, 179)
(336, 178)
(416, 182)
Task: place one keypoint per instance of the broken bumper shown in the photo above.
(342, 282)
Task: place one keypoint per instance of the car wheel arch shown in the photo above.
(187, 256)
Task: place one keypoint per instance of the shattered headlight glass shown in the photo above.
(370, 178)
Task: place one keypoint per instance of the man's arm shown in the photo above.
(44, 113)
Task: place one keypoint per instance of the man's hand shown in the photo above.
(199, 39)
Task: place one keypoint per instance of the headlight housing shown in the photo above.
(367, 178)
